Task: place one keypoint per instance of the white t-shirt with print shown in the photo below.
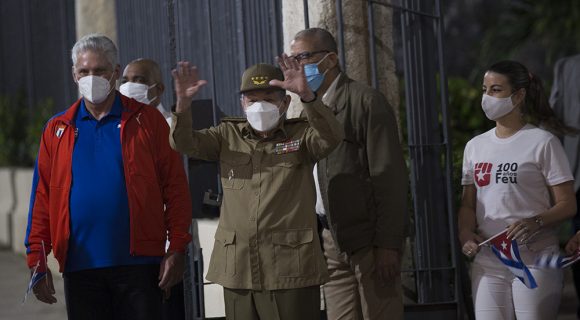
(512, 175)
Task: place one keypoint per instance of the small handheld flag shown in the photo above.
(38, 273)
(557, 261)
(508, 253)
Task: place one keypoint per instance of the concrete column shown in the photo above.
(7, 203)
(322, 13)
(96, 16)
(22, 188)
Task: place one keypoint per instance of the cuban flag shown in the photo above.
(38, 273)
(508, 253)
(557, 261)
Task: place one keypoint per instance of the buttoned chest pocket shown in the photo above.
(236, 168)
(294, 252)
(284, 169)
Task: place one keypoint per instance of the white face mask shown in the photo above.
(137, 91)
(262, 115)
(94, 88)
(496, 108)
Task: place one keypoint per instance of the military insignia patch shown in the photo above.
(59, 131)
(259, 80)
(287, 147)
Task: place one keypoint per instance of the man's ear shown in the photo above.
(160, 88)
(73, 74)
(117, 70)
(334, 60)
(242, 102)
(285, 103)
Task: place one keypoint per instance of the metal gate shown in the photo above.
(223, 37)
(438, 271)
(35, 51)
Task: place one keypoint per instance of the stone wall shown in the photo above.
(96, 16)
(15, 186)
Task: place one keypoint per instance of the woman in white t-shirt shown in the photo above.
(515, 176)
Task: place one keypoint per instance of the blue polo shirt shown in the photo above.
(99, 207)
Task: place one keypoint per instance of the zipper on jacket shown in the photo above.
(125, 157)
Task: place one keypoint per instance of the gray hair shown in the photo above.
(97, 43)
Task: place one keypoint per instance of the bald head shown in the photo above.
(320, 38)
(145, 71)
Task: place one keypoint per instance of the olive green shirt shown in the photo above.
(267, 235)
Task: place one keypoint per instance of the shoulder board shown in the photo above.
(296, 120)
(233, 119)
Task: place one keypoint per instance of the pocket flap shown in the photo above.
(292, 238)
(285, 160)
(224, 236)
(235, 158)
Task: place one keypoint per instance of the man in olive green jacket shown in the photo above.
(362, 189)
(267, 253)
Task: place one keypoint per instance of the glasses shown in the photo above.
(307, 55)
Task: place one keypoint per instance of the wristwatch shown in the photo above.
(539, 220)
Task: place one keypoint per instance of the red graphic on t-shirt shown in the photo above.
(483, 173)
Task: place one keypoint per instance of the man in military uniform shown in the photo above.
(267, 254)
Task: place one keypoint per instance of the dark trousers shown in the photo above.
(174, 307)
(119, 293)
(576, 267)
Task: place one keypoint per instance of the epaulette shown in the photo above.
(296, 120)
(233, 119)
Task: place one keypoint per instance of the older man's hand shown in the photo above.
(171, 270)
(387, 265)
(294, 78)
(187, 84)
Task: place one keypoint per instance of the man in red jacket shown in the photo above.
(107, 193)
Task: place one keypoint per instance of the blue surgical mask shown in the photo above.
(313, 75)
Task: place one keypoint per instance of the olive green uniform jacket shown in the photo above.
(364, 181)
(267, 235)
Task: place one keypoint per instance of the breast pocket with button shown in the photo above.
(235, 169)
(282, 167)
(294, 253)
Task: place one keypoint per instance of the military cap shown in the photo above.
(258, 76)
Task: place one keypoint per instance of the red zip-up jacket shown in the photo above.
(157, 189)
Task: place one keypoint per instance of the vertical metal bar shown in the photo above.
(172, 39)
(423, 114)
(210, 57)
(372, 51)
(448, 155)
(30, 91)
(64, 45)
(273, 23)
(408, 76)
(340, 31)
(280, 29)
(212, 71)
(242, 57)
(306, 19)
(3, 89)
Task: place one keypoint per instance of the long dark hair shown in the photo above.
(536, 108)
